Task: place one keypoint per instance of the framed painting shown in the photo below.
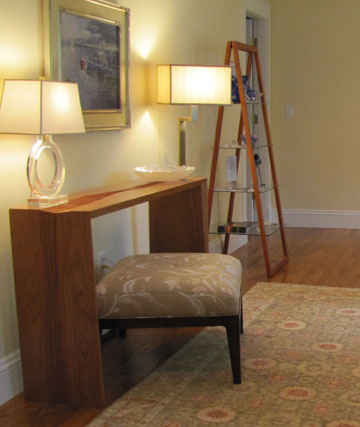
(87, 42)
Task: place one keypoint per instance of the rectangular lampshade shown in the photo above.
(192, 84)
(40, 107)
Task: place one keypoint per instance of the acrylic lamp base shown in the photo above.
(45, 195)
(47, 201)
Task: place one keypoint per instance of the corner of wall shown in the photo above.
(11, 379)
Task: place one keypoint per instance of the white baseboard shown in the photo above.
(11, 382)
(319, 218)
(216, 245)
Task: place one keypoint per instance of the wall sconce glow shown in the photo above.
(9, 56)
(146, 125)
(39, 107)
(146, 130)
(192, 85)
(145, 49)
(146, 120)
(144, 42)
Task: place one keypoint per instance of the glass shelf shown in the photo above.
(252, 229)
(241, 146)
(236, 189)
(257, 100)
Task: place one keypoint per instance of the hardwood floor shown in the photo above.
(318, 256)
(322, 257)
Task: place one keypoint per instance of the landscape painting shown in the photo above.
(90, 55)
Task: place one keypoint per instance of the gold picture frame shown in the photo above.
(87, 41)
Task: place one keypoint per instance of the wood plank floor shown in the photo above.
(329, 257)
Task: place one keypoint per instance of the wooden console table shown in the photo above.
(55, 279)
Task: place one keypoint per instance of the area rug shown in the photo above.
(300, 368)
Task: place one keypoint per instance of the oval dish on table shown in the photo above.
(163, 173)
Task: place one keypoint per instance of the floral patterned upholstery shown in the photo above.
(171, 285)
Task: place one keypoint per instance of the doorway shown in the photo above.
(257, 33)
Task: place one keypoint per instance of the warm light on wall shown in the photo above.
(10, 56)
(144, 49)
(146, 124)
(144, 41)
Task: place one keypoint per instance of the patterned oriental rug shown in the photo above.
(300, 368)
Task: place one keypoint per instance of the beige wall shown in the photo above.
(162, 31)
(315, 67)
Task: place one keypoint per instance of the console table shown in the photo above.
(55, 279)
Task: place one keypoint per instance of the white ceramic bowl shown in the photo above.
(163, 173)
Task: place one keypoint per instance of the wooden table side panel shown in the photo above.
(55, 282)
(34, 273)
(78, 336)
(178, 222)
(203, 213)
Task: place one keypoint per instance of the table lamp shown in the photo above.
(43, 108)
(192, 85)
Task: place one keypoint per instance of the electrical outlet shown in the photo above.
(103, 265)
(101, 261)
(101, 257)
(290, 111)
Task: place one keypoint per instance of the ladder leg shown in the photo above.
(217, 143)
(238, 152)
(272, 161)
(253, 168)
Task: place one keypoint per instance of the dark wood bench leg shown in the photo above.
(241, 319)
(122, 333)
(233, 336)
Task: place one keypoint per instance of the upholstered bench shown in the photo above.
(173, 290)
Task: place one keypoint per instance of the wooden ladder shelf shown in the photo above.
(234, 48)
